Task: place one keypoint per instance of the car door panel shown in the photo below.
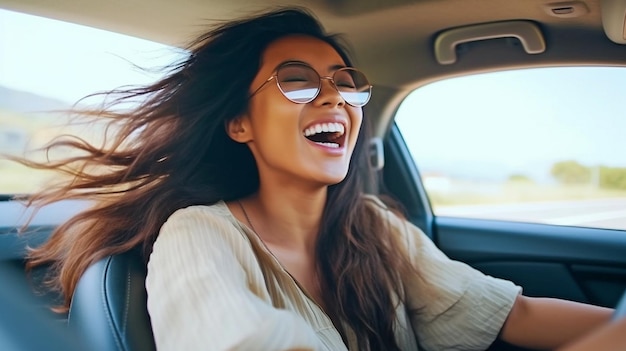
(544, 259)
(581, 264)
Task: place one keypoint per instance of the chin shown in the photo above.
(328, 175)
(334, 179)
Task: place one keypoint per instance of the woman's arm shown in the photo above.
(611, 337)
(546, 323)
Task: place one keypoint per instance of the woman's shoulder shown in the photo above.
(215, 215)
(217, 211)
(396, 221)
(201, 223)
(385, 207)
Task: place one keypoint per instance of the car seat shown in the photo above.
(109, 305)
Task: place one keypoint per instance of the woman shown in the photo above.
(240, 178)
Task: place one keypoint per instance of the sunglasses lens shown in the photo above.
(299, 83)
(353, 86)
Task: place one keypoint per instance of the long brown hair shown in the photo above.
(171, 151)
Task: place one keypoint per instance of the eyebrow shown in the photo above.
(332, 67)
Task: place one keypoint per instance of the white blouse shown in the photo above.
(213, 285)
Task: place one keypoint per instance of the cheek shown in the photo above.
(275, 121)
(271, 109)
(356, 118)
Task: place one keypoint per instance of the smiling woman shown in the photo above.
(239, 178)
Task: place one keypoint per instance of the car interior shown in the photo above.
(404, 46)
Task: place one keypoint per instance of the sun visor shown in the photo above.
(614, 20)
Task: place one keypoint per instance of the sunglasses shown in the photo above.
(301, 84)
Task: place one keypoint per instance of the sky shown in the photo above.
(519, 121)
(66, 61)
(496, 124)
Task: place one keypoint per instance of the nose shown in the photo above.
(329, 95)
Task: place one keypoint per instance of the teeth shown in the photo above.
(332, 127)
(333, 145)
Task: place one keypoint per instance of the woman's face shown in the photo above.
(284, 136)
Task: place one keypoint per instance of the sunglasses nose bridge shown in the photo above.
(331, 81)
(332, 84)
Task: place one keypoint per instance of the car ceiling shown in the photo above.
(392, 39)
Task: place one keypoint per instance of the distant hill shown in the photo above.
(21, 101)
(27, 119)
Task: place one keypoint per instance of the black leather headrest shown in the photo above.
(109, 305)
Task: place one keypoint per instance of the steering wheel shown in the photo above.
(620, 309)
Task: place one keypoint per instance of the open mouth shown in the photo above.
(330, 134)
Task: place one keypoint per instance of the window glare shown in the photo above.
(49, 65)
(517, 137)
(66, 61)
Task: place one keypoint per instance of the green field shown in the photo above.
(460, 192)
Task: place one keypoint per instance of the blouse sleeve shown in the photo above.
(201, 296)
(452, 305)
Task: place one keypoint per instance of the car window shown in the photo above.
(48, 65)
(542, 145)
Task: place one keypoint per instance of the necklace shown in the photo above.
(245, 213)
(306, 293)
(243, 209)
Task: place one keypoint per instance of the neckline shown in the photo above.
(253, 236)
(250, 229)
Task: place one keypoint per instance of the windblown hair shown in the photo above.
(172, 151)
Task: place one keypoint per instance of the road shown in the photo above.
(599, 213)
